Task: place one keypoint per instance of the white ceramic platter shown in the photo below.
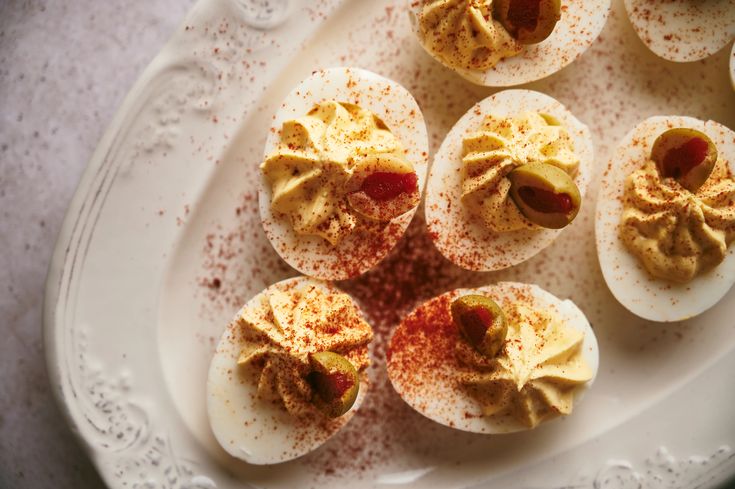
(162, 244)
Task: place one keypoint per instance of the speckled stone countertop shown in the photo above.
(65, 67)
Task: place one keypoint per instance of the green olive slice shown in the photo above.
(686, 155)
(545, 194)
(481, 321)
(335, 383)
(529, 21)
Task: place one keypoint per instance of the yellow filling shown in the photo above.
(317, 159)
(285, 327)
(464, 34)
(535, 375)
(677, 234)
(496, 149)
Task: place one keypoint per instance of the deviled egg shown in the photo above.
(666, 218)
(345, 163)
(509, 175)
(497, 359)
(507, 42)
(288, 372)
(683, 31)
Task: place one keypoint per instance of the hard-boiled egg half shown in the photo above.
(511, 172)
(497, 359)
(683, 31)
(665, 218)
(502, 43)
(344, 166)
(288, 372)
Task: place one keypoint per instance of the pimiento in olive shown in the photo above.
(686, 155)
(335, 382)
(529, 21)
(481, 321)
(545, 195)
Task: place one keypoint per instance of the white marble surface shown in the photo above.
(65, 67)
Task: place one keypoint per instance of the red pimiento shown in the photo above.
(681, 160)
(382, 186)
(475, 323)
(546, 201)
(524, 14)
(330, 386)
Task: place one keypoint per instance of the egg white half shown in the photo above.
(261, 432)
(580, 24)
(632, 286)
(732, 66)
(312, 255)
(463, 238)
(683, 31)
(443, 402)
